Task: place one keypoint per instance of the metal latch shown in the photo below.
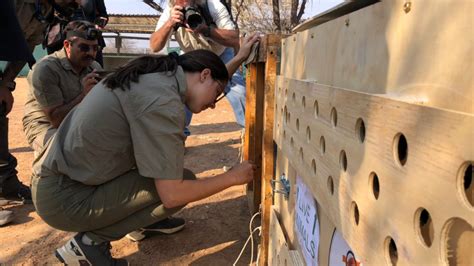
(285, 186)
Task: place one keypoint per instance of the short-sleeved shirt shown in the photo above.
(32, 28)
(52, 81)
(113, 131)
(189, 41)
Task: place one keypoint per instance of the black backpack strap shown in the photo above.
(206, 14)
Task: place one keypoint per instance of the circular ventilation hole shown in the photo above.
(465, 183)
(456, 245)
(286, 115)
(400, 147)
(301, 154)
(289, 118)
(374, 183)
(313, 166)
(330, 185)
(360, 130)
(424, 226)
(316, 109)
(322, 145)
(278, 124)
(355, 212)
(294, 97)
(343, 160)
(391, 252)
(308, 134)
(334, 117)
(303, 101)
(284, 134)
(292, 143)
(297, 124)
(286, 92)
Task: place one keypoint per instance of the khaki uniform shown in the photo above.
(52, 81)
(32, 28)
(96, 176)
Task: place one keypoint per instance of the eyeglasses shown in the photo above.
(86, 48)
(221, 96)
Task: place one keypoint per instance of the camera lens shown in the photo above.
(193, 18)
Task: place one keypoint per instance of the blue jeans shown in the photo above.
(235, 93)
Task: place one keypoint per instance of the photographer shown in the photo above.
(59, 82)
(215, 31)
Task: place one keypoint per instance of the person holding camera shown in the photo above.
(59, 82)
(115, 166)
(204, 24)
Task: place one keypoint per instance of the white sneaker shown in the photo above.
(6, 217)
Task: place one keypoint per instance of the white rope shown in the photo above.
(249, 238)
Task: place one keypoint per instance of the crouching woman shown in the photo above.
(115, 165)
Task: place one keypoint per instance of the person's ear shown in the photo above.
(205, 74)
(67, 45)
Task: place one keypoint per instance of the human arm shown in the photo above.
(174, 193)
(57, 113)
(225, 37)
(243, 53)
(165, 27)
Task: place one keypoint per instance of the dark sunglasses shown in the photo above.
(86, 48)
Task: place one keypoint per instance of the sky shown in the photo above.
(313, 7)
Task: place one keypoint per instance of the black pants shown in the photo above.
(7, 161)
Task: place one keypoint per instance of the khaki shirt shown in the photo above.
(52, 81)
(113, 131)
(32, 28)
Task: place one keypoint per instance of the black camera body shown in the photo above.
(192, 17)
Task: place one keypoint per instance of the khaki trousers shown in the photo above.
(105, 212)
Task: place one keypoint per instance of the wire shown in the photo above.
(259, 228)
(245, 245)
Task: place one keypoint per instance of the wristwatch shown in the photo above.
(10, 85)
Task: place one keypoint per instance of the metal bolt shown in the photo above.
(347, 22)
(407, 6)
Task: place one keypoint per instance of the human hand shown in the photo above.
(89, 81)
(176, 17)
(246, 45)
(243, 172)
(6, 98)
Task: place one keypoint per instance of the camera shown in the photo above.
(192, 17)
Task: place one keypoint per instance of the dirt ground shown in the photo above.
(216, 228)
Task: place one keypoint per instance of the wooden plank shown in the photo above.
(254, 129)
(268, 144)
(423, 54)
(248, 149)
(342, 9)
(431, 178)
(279, 251)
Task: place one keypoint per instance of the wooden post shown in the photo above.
(268, 160)
(258, 142)
(254, 128)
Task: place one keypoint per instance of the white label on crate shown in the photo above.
(341, 253)
(307, 222)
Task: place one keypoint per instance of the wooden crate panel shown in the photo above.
(419, 155)
(424, 53)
